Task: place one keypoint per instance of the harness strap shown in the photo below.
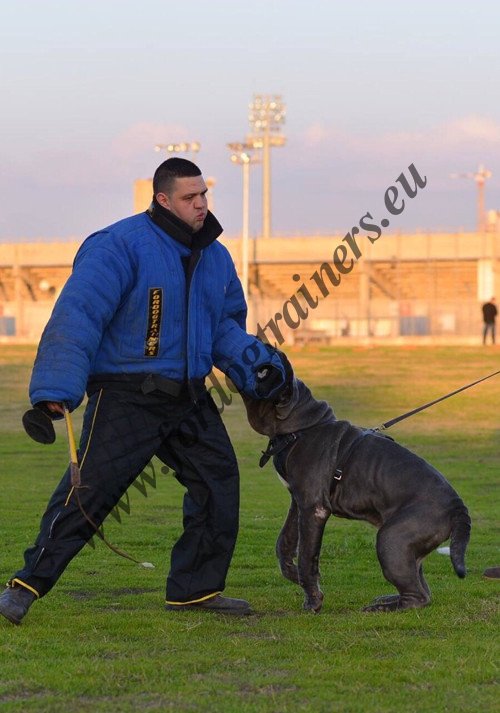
(339, 470)
(275, 446)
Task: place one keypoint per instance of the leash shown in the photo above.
(344, 461)
(393, 421)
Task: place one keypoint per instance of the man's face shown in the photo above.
(187, 200)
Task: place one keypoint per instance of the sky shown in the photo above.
(89, 88)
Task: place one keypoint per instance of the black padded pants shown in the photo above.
(122, 431)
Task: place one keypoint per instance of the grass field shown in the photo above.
(101, 641)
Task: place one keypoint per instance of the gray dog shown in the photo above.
(332, 467)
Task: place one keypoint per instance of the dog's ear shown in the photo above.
(288, 369)
(288, 400)
(288, 396)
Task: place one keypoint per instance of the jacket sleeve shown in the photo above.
(102, 274)
(238, 354)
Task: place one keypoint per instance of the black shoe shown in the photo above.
(15, 602)
(219, 604)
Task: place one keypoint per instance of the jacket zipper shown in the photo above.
(190, 277)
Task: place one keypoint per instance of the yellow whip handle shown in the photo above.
(75, 468)
(76, 483)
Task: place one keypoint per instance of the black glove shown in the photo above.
(38, 425)
(268, 381)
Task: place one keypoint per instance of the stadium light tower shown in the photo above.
(210, 181)
(241, 154)
(480, 176)
(266, 116)
(182, 147)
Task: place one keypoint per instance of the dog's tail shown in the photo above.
(459, 539)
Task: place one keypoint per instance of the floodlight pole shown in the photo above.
(241, 154)
(210, 181)
(245, 224)
(266, 184)
(267, 113)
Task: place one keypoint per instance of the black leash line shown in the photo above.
(393, 421)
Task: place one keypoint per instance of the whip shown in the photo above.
(39, 426)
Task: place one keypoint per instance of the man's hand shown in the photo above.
(54, 407)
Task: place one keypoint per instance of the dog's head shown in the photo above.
(263, 413)
(293, 409)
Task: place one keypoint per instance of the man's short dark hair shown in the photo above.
(171, 169)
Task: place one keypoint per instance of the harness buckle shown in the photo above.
(338, 474)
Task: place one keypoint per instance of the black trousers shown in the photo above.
(122, 431)
(489, 327)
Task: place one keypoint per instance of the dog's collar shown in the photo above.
(276, 445)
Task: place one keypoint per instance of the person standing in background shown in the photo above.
(489, 318)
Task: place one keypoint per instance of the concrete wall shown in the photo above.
(403, 246)
(361, 313)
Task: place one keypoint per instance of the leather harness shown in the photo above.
(280, 446)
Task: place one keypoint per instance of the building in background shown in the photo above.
(404, 285)
(143, 194)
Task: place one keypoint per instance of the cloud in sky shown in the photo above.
(322, 178)
(140, 138)
(471, 133)
(348, 172)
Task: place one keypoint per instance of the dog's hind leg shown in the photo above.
(312, 521)
(402, 568)
(286, 546)
(395, 598)
(423, 583)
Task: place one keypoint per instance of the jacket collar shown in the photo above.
(180, 231)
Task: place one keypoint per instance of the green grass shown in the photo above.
(101, 641)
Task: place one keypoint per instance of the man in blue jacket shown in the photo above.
(152, 304)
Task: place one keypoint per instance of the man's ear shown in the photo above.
(162, 199)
